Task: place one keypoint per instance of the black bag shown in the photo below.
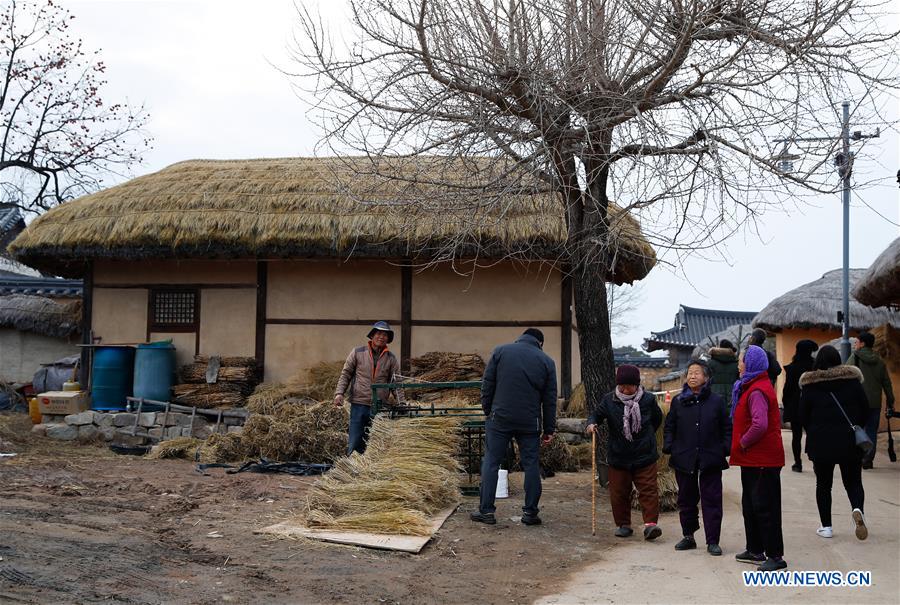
(859, 434)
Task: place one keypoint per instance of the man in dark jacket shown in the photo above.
(633, 416)
(723, 368)
(758, 337)
(518, 395)
(875, 380)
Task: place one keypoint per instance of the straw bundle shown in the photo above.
(180, 447)
(439, 366)
(555, 457)
(216, 395)
(296, 430)
(577, 406)
(227, 362)
(409, 471)
(322, 379)
(216, 448)
(665, 476)
(196, 373)
(581, 454)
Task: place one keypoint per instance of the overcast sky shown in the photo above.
(204, 69)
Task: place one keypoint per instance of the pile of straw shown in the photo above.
(581, 454)
(311, 385)
(216, 448)
(235, 379)
(577, 405)
(555, 457)
(180, 447)
(439, 366)
(297, 430)
(665, 476)
(409, 471)
(217, 395)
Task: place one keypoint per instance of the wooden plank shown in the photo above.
(87, 327)
(190, 286)
(566, 336)
(410, 544)
(262, 291)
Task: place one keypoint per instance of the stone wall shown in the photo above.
(127, 428)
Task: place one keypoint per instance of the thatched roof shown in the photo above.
(815, 305)
(314, 207)
(880, 284)
(40, 315)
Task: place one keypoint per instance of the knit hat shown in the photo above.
(755, 360)
(628, 374)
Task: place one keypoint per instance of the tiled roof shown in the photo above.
(641, 361)
(42, 286)
(9, 217)
(692, 325)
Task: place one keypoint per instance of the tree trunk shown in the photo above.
(594, 341)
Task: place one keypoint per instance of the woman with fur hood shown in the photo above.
(825, 391)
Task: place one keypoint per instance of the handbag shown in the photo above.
(859, 434)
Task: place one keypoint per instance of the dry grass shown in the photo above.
(228, 362)
(408, 472)
(577, 405)
(298, 431)
(227, 447)
(665, 476)
(180, 447)
(216, 395)
(581, 454)
(196, 373)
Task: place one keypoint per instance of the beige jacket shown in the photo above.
(361, 370)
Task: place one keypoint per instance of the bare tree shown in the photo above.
(664, 107)
(622, 301)
(59, 137)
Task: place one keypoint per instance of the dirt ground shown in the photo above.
(81, 524)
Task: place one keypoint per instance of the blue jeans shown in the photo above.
(496, 442)
(360, 421)
(871, 427)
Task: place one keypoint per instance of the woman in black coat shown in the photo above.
(790, 396)
(826, 390)
(697, 435)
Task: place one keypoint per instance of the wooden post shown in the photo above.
(405, 317)
(262, 287)
(566, 335)
(87, 324)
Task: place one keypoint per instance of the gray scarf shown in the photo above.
(631, 417)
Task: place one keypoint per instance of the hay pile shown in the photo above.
(297, 430)
(555, 457)
(665, 476)
(311, 385)
(440, 366)
(216, 448)
(235, 379)
(577, 405)
(409, 472)
(887, 345)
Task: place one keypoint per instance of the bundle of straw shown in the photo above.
(216, 395)
(196, 373)
(555, 457)
(216, 448)
(180, 447)
(409, 471)
(227, 362)
(665, 476)
(296, 430)
(577, 405)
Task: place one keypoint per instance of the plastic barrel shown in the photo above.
(154, 371)
(111, 377)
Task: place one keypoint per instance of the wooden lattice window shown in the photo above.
(174, 310)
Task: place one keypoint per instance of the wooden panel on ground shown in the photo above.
(412, 544)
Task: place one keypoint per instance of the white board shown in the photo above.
(411, 544)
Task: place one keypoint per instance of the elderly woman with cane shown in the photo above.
(756, 447)
(633, 416)
(697, 436)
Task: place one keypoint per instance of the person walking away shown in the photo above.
(518, 396)
(365, 365)
(831, 394)
(756, 447)
(723, 367)
(875, 380)
(697, 436)
(790, 396)
(632, 416)
(758, 338)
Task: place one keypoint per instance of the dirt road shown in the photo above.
(80, 524)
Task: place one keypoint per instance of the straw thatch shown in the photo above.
(815, 305)
(40, 315)
(879, 286)
(316, 207)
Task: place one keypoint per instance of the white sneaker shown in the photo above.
(825, 532)
(859, 520)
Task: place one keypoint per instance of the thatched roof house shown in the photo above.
(816, 304)
(35, 330)
(292, 258)
(311, 208)
(879, 286)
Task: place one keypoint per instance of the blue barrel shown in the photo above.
(154, 371)
(111, 377)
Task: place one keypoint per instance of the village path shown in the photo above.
(635, 571)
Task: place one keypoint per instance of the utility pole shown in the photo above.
(843, 160)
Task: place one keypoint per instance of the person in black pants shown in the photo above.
(790, 396)
(697, 435)
(518, 396)
(832, 398)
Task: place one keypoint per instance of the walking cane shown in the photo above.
(594, 483)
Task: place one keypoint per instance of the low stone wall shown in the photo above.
(117, 427)
(572, 430)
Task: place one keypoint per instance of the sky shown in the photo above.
(208, 72)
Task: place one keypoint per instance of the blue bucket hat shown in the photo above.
(382, 326)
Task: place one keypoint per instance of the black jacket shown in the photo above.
(828, 434)
(774, 367)
(697, 432)
(641, 450)
(723, 368)
(790, 396)
(519, 387)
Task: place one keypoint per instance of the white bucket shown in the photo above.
(502, 484)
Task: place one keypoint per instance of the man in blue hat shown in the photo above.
(365, 365)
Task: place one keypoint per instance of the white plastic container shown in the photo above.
(502, 484)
